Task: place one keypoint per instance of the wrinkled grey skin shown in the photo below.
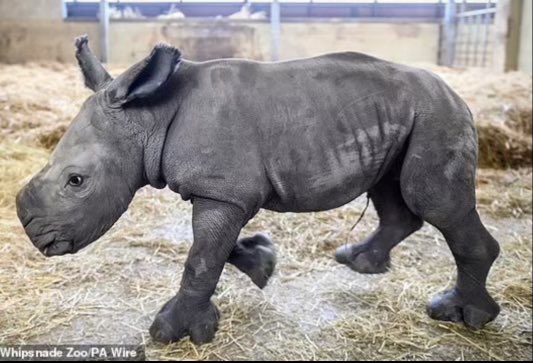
(235, 136)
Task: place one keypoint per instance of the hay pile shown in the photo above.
(502, 108)
(37, 99)
(312, 309)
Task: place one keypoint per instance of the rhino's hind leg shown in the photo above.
(396, 222)
(474, 250)
(438, 184)
(256, 257)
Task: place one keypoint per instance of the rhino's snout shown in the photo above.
(42, 237)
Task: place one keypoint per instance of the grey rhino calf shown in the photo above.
(234, 136)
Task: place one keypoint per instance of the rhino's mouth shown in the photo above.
(50, 246)
(57, 248)
(47, 241)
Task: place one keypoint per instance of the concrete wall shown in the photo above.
(524, 57)
(31, 9)
(42, 40)
(22, 40)
(197, 40)
(35, 30)
(395, 42)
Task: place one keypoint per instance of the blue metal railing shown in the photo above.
(432, 12)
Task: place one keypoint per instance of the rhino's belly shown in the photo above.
(323, 183)
(328, 172)
(331, 195)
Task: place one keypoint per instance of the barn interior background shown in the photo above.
(312, 308)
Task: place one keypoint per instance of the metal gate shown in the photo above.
(466, 35)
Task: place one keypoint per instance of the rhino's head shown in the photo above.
(102, 159)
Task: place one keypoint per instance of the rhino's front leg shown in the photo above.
(216, 226)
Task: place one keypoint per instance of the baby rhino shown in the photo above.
(234, 136)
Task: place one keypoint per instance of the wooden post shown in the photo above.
(506, 35)
(450, 33)
(104, 31)
(275, 28)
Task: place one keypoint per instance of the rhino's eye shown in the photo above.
(75, 180)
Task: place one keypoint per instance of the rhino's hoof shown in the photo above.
(475, 314)
(163, 332)
(256, 257)
(363, 259)
(173, 324)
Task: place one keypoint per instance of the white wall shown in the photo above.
(524, 58)
(32, 9)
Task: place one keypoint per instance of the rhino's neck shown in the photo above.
(160, 116)
(153, 153)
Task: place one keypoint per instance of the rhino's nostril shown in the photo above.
(26, 204)
(26, 221)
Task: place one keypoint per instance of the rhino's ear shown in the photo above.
(94, 74)
(145, 77)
